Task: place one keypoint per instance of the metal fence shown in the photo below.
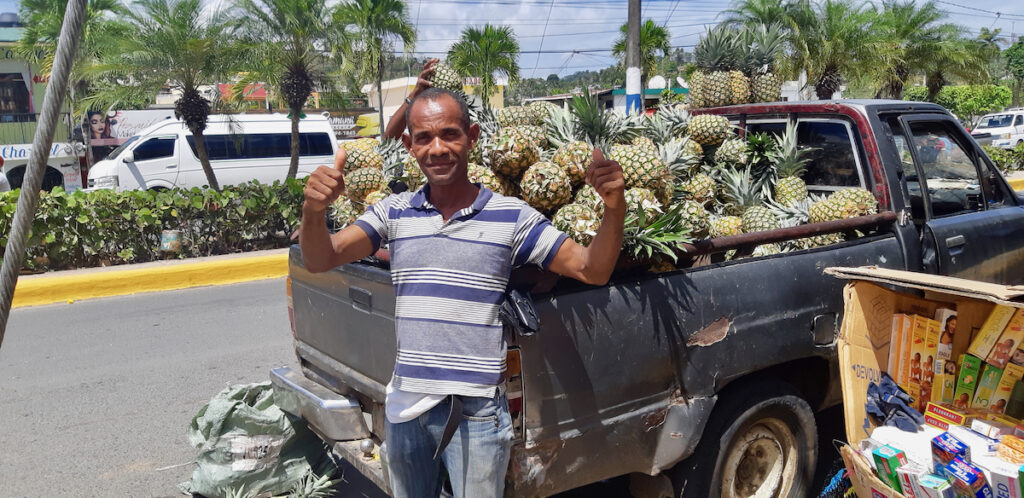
(16, 128)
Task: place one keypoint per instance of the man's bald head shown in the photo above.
(433, 95)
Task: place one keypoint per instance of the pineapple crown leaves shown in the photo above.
(661, 237)
(761, 149)
(394, 154)
(680, 160)
(716, 50)
(741, 188)
(561, 127)
(788, 156)
(601, 128)
(767, 45)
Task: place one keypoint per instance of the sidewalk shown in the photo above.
(72, 285)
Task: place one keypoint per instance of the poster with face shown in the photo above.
(114, 127)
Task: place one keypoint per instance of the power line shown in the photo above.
(673, 11)
(544, 32)
(992, 12)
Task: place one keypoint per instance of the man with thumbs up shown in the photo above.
(453, 245)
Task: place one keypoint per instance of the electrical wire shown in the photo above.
(536, 62)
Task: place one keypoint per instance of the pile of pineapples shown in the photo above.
(687, 177)
(736, 66)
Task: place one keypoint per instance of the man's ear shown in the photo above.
(407, 141)
(474, 133)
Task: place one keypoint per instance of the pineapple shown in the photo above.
(546, 187)
(739, 87)
(375, 197)
(767, 47)
(745, 198)
(360, 144)
(535, 134)
(343, 212)
(766, 250)
(640, 168)
(446, 77)
(359, 183)
(513, 152)
(697, 99)
(853, 202)
(363, 158)
(725, 225)
(476, 153)
(642, 203)
(696, 217)
(676, 154)
(700, 187)
(542, 109)
(517, 116)
(578, 221)
(789, 165)
(485, 177)
(715, 56)
(645, 144)
(574, 158)
(412, 175)
(693, 147)
(824, 210)
(709, 129)
(589, 197)
(733, 152)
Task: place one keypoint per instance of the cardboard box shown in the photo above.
(947, 412)
(944, 386)
(1003, 477)
(991, 428)
(937, 422)
(863, 479)
(898, 365)
(910, 474)
(967, 381)
(871, 299)
(1011, 374)
(967, 479)
(887, 460)
(990, 331)
(979, 444)
(988, 382)
(1008, 341)
(947, 333)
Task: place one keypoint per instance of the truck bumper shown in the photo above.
(335, 417)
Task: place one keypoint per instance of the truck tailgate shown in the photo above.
(344, 323)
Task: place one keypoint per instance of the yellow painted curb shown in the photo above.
(63, 288)
(1016, 183)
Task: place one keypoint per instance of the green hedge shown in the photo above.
(87, 229)
(1006, 160)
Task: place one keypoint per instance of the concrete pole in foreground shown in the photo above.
(634, 92)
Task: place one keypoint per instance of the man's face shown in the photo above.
(438, 141)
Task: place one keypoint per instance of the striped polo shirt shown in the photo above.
(450, 279)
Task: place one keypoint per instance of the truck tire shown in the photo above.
(761, 440)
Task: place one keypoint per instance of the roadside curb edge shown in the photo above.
(1016, 183)
(64, 288)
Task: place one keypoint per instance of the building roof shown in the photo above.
(652, 91)
(564, 96)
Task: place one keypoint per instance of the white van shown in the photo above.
(1004, 129)
(241, 148)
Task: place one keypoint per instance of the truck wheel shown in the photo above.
(761, 441)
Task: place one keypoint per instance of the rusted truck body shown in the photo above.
(706, 377)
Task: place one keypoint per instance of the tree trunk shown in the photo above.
(935, 83)
(380, 93)
(293, 164)
(204, 159)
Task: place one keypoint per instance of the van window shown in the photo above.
(995, 121)
(154, 148)
(1019, 121)
(262, 145)
(832, 158)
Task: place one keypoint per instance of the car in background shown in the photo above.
(241, 148)
(1001, 129)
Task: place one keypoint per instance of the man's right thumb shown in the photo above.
(339, 159)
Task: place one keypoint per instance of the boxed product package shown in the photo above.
(863, 478)
(933, 486)
(1002, 476)
(1008, 341)
(991, 428)
(950, 414)
(967, 479)
(979, 444)
(928, 363)
(990, 331)
(887, 460)
(967, 381)
(1011, 449)
(1011, 374)
(916, 445)
(919, 352)
(898, 364)
(910, 474)
(988, 382)
(945, 448)
(944, 385)
(947, 325)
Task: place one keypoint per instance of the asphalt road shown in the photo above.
(95, 396)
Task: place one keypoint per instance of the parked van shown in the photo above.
(241, 148)
(1001, 129)
(62, 165)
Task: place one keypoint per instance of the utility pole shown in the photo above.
(634, 92)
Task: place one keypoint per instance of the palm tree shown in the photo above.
(376, 24)
(757, 12)
(100, 31)
(293, 46)
(910, 39)
(484, 52)
(958, 57)
(176, 43)
(654, 39)
(829, 40)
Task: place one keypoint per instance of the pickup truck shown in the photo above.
(707, 377)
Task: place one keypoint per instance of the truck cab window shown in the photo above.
(951, 175)
(154, 148)
(833, 155)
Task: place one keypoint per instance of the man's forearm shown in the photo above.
(602, 254)
(396, 125)
(315, 241)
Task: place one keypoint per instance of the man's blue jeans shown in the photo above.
(476, 458)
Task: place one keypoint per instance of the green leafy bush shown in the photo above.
(1006, 159)
(86, 229)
